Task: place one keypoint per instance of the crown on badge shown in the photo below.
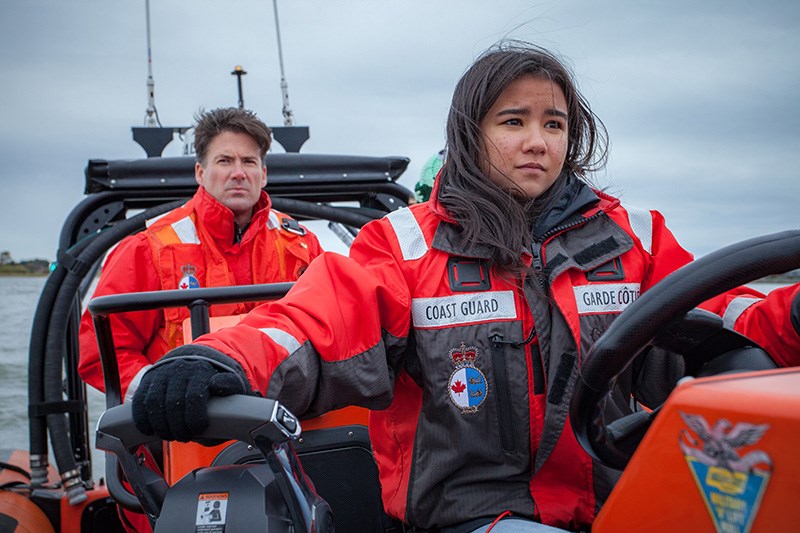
(464, 355)
(188, 269)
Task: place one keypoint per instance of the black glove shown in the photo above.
(795, 315)
(171, 401)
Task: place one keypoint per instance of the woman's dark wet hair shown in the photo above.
(487, 214)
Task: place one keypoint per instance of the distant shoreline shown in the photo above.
(780, 278)
(33, 267)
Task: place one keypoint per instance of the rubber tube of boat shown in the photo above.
(62, 307)
(37, 422)
(37, 425)
(334, 214)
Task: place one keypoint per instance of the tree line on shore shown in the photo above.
(30, 267)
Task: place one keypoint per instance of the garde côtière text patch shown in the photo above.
(605, 297)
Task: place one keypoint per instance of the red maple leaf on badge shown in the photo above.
(184, 285)
(458, 387)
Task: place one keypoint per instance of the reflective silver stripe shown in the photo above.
(642, 224)
(273, 222)
(186, 231)
(409, 234)
(281, 338)
(736, 308)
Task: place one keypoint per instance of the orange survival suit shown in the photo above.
(189, 247)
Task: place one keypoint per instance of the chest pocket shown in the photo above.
(293, 255)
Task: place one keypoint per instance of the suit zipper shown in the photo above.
(504, 413)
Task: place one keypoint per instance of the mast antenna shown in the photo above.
(238, 71)
(151, 114)
(153, 137)
(288, 119)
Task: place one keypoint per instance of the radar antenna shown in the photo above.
(153, 137)
(151, 114)
(288, 119)
(289, 136)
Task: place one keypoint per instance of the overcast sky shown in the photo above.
(701, 98)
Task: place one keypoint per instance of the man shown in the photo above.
(227, 234)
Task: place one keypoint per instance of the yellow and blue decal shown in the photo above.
(732, 484)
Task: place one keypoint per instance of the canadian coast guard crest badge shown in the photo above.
(731, 482)
(467, 386)
(188, 281)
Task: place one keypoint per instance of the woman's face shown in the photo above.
(525, 136)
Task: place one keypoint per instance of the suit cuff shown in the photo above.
(134, 384)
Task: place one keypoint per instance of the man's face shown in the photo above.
(233, 173)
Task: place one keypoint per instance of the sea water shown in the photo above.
(19, 297)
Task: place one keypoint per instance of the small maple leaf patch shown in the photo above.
(458, 387)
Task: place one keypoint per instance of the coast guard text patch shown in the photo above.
(462, 309)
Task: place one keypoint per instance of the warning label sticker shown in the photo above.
(211, 510)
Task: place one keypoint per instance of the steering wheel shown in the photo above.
(659, 309)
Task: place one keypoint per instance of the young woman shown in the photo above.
(462, 321)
